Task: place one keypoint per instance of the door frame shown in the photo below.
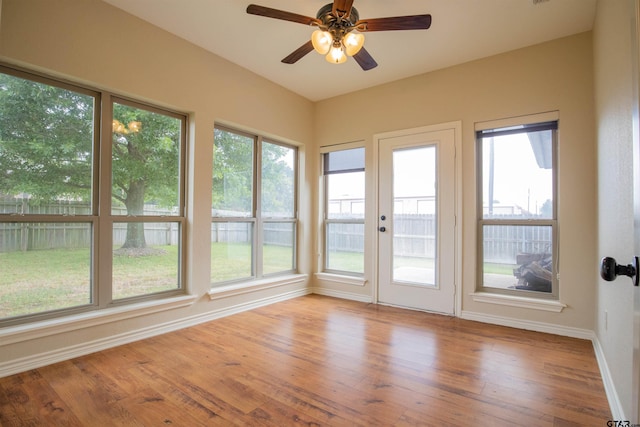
(456, 126)
(635, 60)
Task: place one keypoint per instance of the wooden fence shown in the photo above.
(275, 233)
(415, 235)
(23, 236)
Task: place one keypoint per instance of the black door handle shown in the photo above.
(383, 229)
(609, 269)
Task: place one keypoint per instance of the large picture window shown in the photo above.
(254, 215)
(517, 210)
(344, 185)
(55, 178)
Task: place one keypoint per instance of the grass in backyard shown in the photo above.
(37, 281)
(231, 261)
(505, 269)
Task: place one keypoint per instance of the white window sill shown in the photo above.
(255, 285)
(519, 301)
(342, 279)
(30, 331)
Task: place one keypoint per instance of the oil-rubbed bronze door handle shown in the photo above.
(609, 269)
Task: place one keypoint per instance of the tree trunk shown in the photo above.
(135, 206)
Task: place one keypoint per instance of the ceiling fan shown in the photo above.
(339, 31)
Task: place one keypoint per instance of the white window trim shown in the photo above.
(341, 278)
(519, 301)
(70, 323)
(247, 287)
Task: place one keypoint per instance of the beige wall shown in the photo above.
(551, 76)
(613, 82)
(89, 41)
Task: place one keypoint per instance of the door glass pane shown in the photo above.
(232, 175)
(415, 215)
(145, 270)
(45, 266)
(231, 251)
(145, 162)
(278, 181)
(278, 247)
(517, 257)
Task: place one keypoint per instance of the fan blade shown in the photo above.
(254, 9)
(413, 22)
(298, 53)
(341, 8)
(365, 60)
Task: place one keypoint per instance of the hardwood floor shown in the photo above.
(320, 361)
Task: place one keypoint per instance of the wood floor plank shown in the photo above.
(319, 361)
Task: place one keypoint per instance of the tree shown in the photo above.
(46, 150)
(46, 141)
(145, 164)
(232, 185)
(232, 188)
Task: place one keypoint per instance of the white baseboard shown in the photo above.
(617, 413)
(42, 359)
(529, 325)
(341, 294)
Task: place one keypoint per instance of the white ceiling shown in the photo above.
(461, 31)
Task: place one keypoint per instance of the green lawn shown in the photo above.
(38, 281)
(44, 280)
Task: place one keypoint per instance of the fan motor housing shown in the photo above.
(329, 19)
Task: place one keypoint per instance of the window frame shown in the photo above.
(327, 221)
(256, 218)
(530, 123)
(100, 218)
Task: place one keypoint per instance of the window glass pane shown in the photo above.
(278, 181)
(145, 270)
(345, 247)
(517, 175)
(45, 266)
(278, 247)
(345, 195)
(231, 251)
(46, 146)
(146, 162)
(232, 175)
(518, 257)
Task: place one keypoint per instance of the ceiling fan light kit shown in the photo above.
(340, 29)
